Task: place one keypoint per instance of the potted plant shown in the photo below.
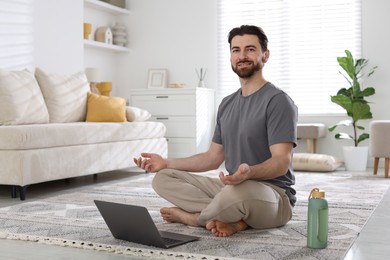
(352, 99)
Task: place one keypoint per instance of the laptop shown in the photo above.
(134, 223)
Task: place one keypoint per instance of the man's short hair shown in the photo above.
(250, 29)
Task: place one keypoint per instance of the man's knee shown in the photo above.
(260, 205)
(159, 179)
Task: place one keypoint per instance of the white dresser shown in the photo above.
(188, 114)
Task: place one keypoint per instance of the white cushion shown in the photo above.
(21, 100)
(315, 162)
(43, 136)
(136, 114)
(65, 95)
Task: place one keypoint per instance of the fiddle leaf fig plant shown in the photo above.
(352, 99)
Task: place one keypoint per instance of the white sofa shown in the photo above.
(41, 138)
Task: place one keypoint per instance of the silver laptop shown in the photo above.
(134, 223)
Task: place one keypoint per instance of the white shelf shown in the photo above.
(105, 7)
(105, 46)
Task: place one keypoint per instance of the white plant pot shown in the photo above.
(355, 158)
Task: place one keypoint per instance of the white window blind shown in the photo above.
(305, 38)
(16, 34)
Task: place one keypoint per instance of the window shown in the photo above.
(305, 37)
(16, 34)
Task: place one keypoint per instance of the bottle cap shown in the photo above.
(316, 193)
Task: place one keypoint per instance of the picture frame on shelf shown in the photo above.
(157, 78)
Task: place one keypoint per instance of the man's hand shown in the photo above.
(243, 173)
(150, 162)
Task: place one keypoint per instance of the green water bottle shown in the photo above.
(317, 220)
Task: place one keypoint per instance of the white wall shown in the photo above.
(58, 35)
(376, 42)
(173, 34)
(106, 61)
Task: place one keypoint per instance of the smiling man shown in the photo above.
(255, 135)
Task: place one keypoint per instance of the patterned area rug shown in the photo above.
(72, 220)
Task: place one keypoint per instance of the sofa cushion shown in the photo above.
(315, 162)
(105, 109)
(65, 95)
(36, 136)
(21, 100)
(134, 114)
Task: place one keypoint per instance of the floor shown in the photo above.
(372, 243)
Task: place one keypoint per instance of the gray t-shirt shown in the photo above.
(248, 126)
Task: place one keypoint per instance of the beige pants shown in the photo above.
(259, 204)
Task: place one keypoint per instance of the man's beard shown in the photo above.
(248, 71)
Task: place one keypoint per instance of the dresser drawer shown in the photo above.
(176, 105)
(177, 126)
(181, 147)
(187, 113)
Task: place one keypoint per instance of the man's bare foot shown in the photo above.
(221, 229)
(180, 216)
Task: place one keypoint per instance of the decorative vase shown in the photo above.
(87, 30)
(355, 158)
(105, 88)
(119, 34)
(201, 84)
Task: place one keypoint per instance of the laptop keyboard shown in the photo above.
(170, 241)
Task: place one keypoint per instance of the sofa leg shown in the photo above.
(14, 191)
(95, 177)
(21, 189)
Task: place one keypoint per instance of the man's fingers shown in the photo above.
(143, 163)
(136, 161)
(147, 167)
(229, 179)
(225, 179)
(222, 177)
(140, 162)
(146, 155)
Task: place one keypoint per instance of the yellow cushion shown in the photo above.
(105, 109)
